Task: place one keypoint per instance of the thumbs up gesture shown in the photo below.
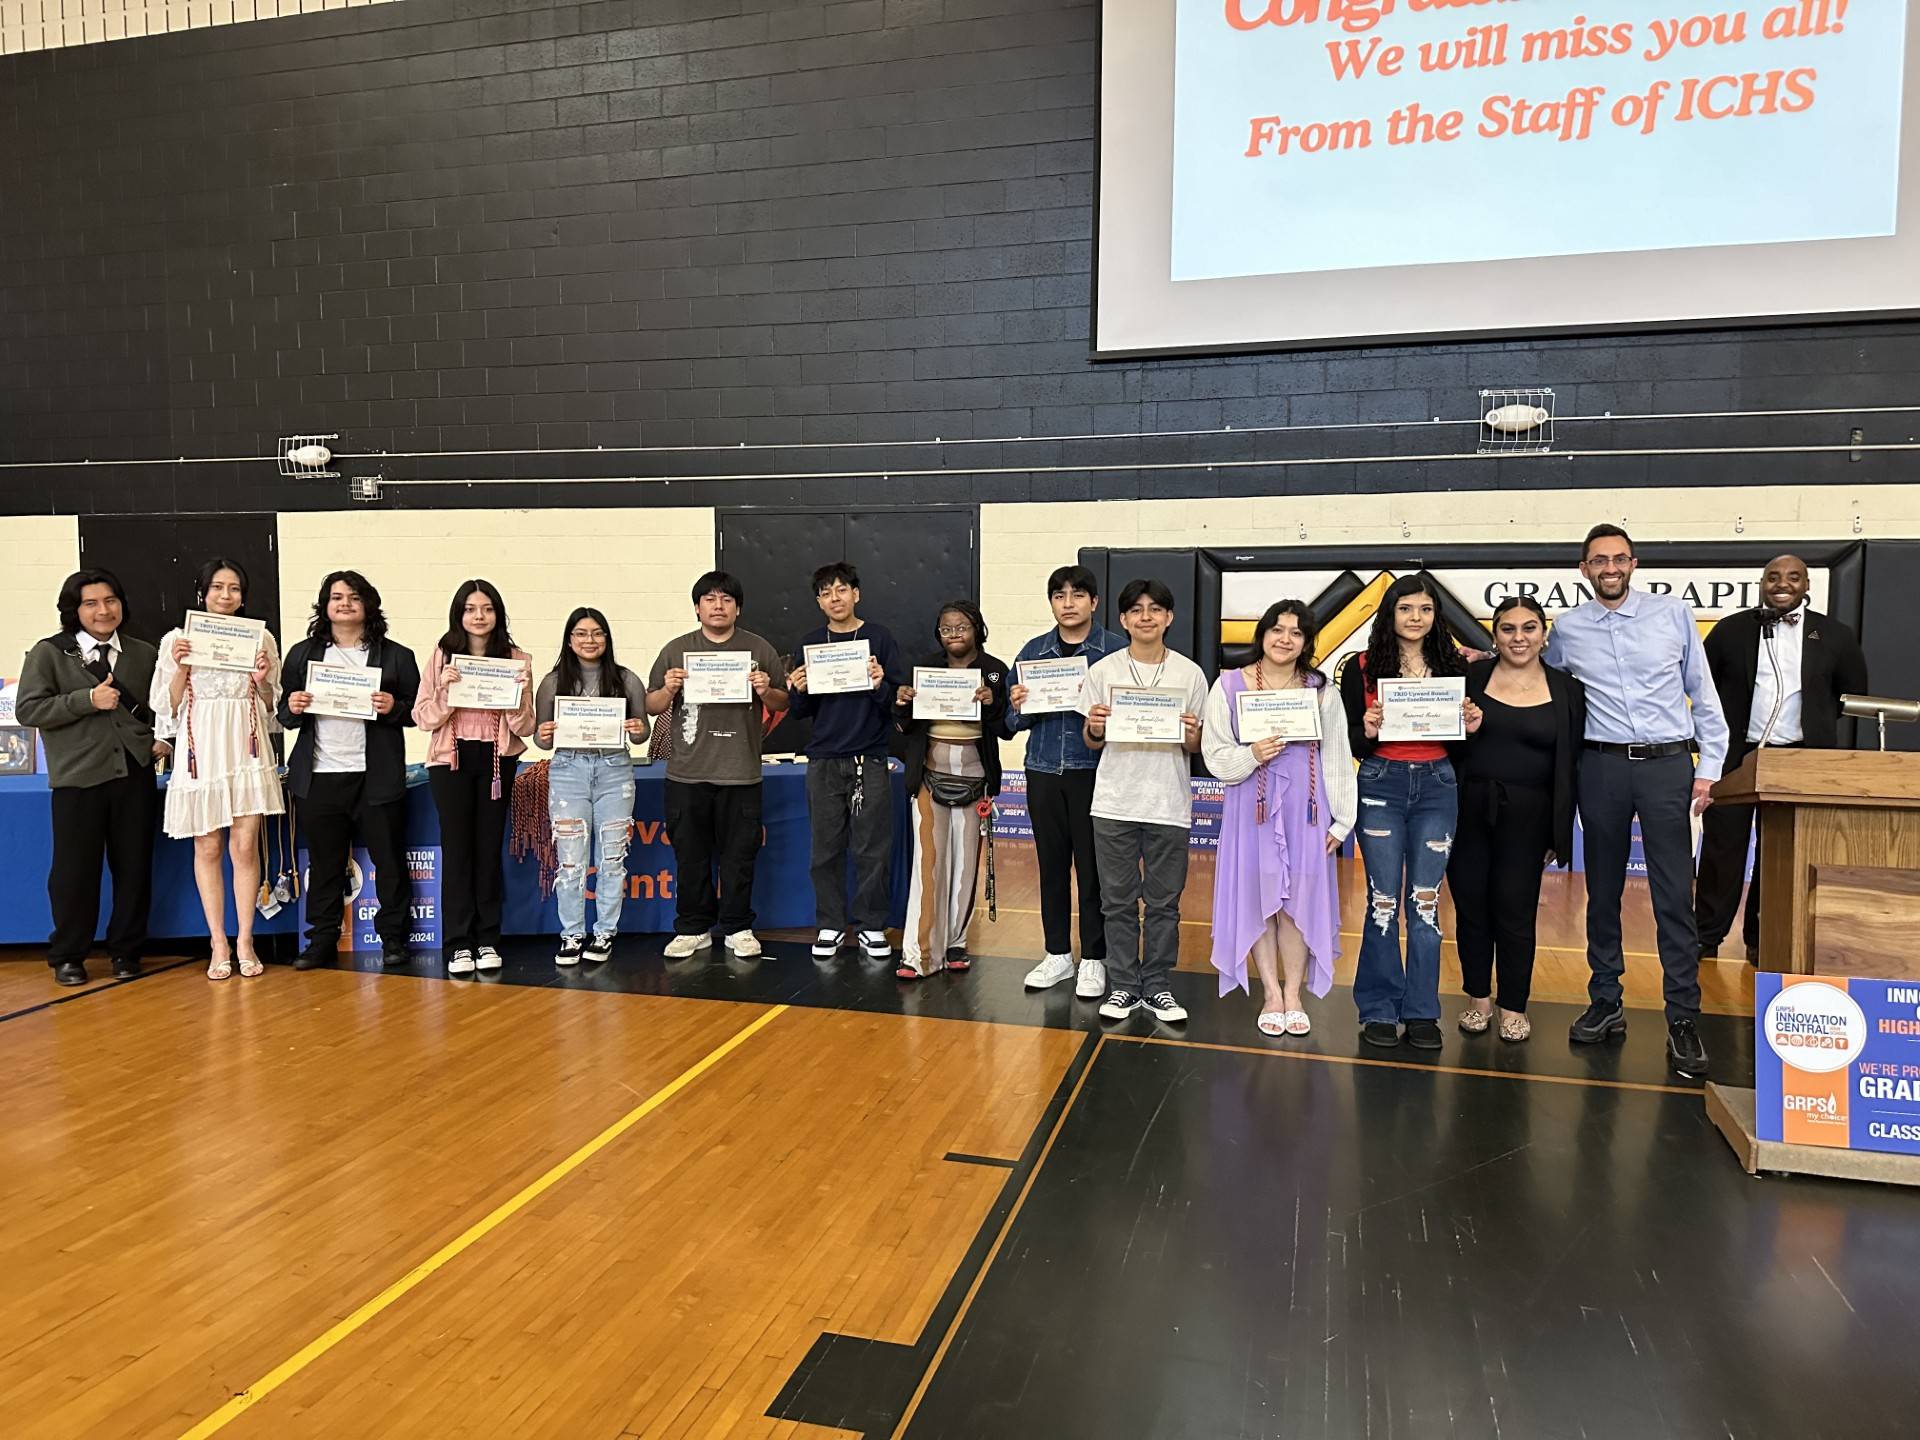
(104, 696)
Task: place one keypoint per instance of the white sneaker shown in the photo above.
(461, 963)
(681, 946)
(745, 944)
(1050, 972)
(875, 945)
(1092, 983)
(827, 944)
(487, 958)
(1165, 1007)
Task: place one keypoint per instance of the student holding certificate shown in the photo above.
(477, 705)
(1060, 770)
(219, 718)
(716, 682)
(1409, 805)
(1143, 798)
(953, 763)
(350, 774)
(849, 794)
(1517, 787)
(1290, 800)
(589, 785)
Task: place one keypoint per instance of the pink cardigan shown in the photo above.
(432, 713)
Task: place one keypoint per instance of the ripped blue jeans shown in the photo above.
(589, 799)
(1407, 814)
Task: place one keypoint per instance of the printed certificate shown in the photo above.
(717, 677)
(943, 693)
(1053, 686)
(839, 668)
(1423, 709)
(587, 722)
(1277, 715)
(223, 642)
(341, 692)
(485, 683)
(1146, 714)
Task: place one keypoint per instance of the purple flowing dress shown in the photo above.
(1261, 870)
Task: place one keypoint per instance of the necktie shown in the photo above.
(98, 666)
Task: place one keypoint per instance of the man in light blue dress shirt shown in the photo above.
(1640, 657)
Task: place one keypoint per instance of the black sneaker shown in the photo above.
(1423, 1034)
(1383, 1033)
(571, 948)
(1119, 1005)
(1165, 1007)
(394, 954)
(315, 956)
(1598, 1022)
(599, 948)
(1686, 1052)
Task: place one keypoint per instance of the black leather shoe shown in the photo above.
(70, 972)
(395, 955)
(1686, 1052)
(126, 967)
(1383, 1033)
(1598, 1022)
(1423, 1034)
(1709, 952)
(313, 957)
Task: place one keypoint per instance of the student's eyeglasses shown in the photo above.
(955, 632)
(589, 634)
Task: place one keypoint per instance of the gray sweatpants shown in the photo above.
(1140, 863)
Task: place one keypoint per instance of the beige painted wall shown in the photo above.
(37, 552)
(635, 565)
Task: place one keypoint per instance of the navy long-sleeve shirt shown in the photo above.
(860, 724)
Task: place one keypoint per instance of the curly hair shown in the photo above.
(1383, 644)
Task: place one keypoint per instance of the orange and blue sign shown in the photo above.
(1837, 1061)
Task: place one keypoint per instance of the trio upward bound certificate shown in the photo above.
(223, 642)
(1423, 709)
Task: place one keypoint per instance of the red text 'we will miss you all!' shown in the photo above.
(1361, 51)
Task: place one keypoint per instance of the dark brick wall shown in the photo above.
(447, 225)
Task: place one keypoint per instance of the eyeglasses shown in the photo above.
(589, 635)
(955, 632)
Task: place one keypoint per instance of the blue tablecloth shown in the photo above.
(783, 894)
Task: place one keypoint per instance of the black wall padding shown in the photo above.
(1891, 601)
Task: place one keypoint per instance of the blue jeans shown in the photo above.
(589, 794)
(1407, 812)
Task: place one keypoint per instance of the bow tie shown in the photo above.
(1792, 617)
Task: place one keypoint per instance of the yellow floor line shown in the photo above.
(311, 1352)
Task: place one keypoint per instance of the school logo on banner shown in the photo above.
(1837, 1062)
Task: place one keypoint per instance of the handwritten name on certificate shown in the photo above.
(587, 722)
(485, 683)
(1053, 686)
(717, 677)
(1277, 715)
(943, 693)
(341, 692)
(223, 642)
(1146, 715)
(839, 668)
(1423, 709)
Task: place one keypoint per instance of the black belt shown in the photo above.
(1642, 749)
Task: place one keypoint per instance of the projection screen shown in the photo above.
(1279, 173)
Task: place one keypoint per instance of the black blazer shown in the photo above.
(386, 745)
(1831, 665)
(1568, 700)
(914, 738)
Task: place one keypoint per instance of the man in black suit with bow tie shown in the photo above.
(1780, 670)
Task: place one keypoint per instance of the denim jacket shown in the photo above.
(1054, 745)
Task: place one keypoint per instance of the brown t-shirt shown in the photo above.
(716, 744)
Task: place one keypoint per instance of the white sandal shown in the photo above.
(1298, 1023)
(218, 969)
(1273, 1023)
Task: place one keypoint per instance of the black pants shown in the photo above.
(708, 824)
(1061, 808)
(333, 813)
(1499, 850)
(1725, 831)
(473, 825)
(1613, 789)
(839, 827)
(115, 819)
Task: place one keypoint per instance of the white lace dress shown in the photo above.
(222, 762)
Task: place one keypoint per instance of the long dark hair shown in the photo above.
(320, 629)
(203, 582)
(1309, 637)
(971, 613)
(454, 642)
(69, 601)
(1383, 646)
(1518, 602)
(566, 669)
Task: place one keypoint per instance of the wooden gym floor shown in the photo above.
(711, 1198)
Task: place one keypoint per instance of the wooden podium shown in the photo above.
(1839, 862)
